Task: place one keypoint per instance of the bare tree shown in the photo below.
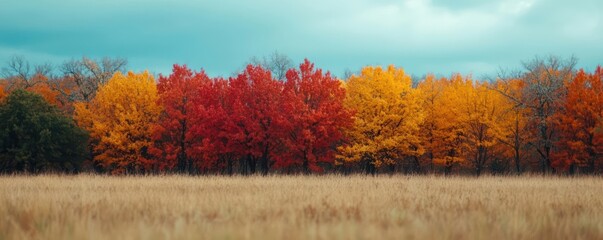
(544, 90)
(543, 81)
(277, 63)
(20, 74)
(88, 74)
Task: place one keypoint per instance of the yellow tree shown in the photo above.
(388, 116)
(517, 121)
(431, 89)
(484, 116)
(119, 120)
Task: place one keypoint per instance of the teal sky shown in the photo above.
(422, 36)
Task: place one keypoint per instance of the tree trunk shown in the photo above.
(181, 164)
(264, 167)
(370, 168)
(418, 168)
(190, 167)
(251, 162)
(517, 164)
(229, 165)
(392, 168)
(243, 168)
(305, 164)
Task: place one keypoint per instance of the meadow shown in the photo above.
(300, 207)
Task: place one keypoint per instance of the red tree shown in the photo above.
(214, 130)
(257, 117)
(174, 147)
(317, 118)
(581, 139)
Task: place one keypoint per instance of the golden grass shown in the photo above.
(300, 207)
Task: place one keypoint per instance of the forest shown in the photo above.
(272, 117)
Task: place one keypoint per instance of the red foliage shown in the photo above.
(318, 117)
(258, 116)
(208, 124)
(173, 143)
(580, 124)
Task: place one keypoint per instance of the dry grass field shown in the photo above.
(300, 207)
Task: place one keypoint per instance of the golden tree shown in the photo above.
(517, 121)
(119, 120)
(431, 89)
(485, 119)
(388, 116)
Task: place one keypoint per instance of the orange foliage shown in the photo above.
(2, 93)
(50, 95)
(581, 141)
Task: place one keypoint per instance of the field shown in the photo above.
(300, 207)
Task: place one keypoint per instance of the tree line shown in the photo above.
(270, 117)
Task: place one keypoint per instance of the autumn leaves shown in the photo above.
(581, 123)
(388, 114)
(375, 121)
(119, 119)
(190, 123)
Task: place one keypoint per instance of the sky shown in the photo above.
(421, 36)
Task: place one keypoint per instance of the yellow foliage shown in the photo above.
(515, 120)
(387, 120)
(465, 120)
(119, 120)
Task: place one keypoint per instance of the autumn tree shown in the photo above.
(517, 116)
(467, 122)
(120, 119)
(221, 132)
(318, 116)
(172, 140)
(388, 115)
(543, 94)
(35, 136)
(484, 116)
(580, 144)
(431, 89)
(449, 136)
(258, 116)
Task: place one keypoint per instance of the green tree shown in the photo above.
(35, 136)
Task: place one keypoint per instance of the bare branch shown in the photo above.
(88, 74)
(277, 63)
(18, 72)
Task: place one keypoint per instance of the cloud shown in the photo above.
(422, 36)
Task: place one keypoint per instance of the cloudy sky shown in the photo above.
(423, 36)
